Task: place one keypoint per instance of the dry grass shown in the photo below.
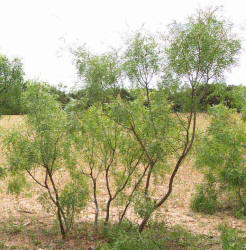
(23, 219)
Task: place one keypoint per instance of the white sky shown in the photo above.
(38, 31)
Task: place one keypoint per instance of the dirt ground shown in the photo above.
(24, 215)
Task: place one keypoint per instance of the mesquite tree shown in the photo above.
(109, 155)
(99, 139)
(197, 52)
(42, 149)
(109, 132)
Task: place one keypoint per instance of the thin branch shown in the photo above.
(39, 183)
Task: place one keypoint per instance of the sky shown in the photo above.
(39, 32)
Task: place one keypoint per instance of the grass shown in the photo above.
(156, 236)
(25, 225)
(126, 236)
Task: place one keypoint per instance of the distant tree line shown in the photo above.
(207, 96)
(12, 85)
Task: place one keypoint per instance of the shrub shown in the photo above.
(156, 236)
(220, 154)
(205, 199)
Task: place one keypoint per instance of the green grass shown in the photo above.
(156, 236)
(232, 239)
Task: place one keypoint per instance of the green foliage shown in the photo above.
(138, 140)
(2, 245)
(232, 239)
(153, 126)
(143, 206)
(59, 94)
(205, 199)
(2, 172)
(198, 53)
(208, 95)
(156, 236)
(239, 98)
(202, 47)
(105, 128)
(103, 147)
(11, 85)
(73, 199)
(101, 73)
(43, 145)
(214, 94)
(142, 59)
(177, 96)
(221, 151)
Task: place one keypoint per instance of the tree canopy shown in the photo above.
(12, 84)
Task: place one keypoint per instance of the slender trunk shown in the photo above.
(131, 195)
(57, 198)
(62, 229)
(124, 212)
(60, 213)
(120, 189)
(144, 222)
(108, 211)
(148, 178)
(147, 95)
(110, 196)
(59, 216)
(95, 201)
(187, 147)
(241, 199)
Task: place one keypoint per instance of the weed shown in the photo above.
(156, 236)
(2, 246)
(204, 200)
(36, 242)
(231, 239)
